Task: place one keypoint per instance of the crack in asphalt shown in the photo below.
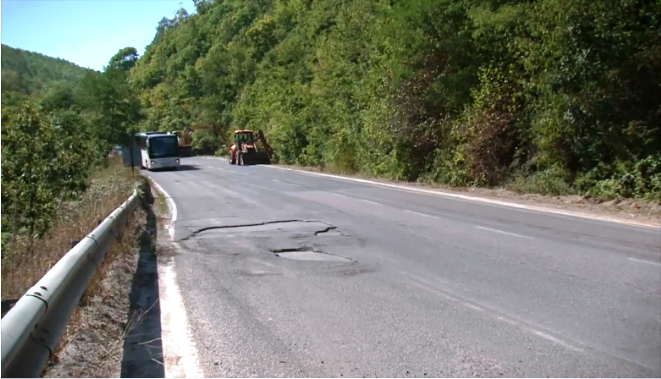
(325, 230)
(198, 231)
(291, 250)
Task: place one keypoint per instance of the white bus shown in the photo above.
(158, 150)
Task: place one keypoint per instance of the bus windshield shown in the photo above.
(163, 147)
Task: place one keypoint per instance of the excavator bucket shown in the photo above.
(254, 157)
(250, 152)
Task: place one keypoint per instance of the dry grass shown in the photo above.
(93, 343)
(108, 189)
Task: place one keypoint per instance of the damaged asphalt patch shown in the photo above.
(275, 242)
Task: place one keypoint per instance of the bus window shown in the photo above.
(163, 147)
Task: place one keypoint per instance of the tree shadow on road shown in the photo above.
(143, 348)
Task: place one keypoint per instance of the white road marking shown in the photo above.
(510, 319)
(560, 342)
(473, 306)
(420, 214)
(370, 202)
(473, 198)
(502, 232)
(644, 261)
(180, 357)
(285, 183)
(171, 206)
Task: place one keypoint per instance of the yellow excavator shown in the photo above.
(185, 138)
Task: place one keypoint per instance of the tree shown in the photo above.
(123, 60)
(27, 161)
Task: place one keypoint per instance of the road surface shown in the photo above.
(284, 273)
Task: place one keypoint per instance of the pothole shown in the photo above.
(309, 255)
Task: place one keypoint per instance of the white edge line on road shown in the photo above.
(171, 205)
(644, 261)
(473, 198)
(502, 232)
(558, 341)
(505, 317)
(370, 202)
(285, 183)
(180, 356)
(420, 214)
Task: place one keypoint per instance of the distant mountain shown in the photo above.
(32, 73)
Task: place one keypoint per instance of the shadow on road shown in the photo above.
(188, 167)
(143, 349)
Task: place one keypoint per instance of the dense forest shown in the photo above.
(548, 96)
(58, 123)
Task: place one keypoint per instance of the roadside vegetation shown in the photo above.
(550, 97)
(23, 265)
(59, 122)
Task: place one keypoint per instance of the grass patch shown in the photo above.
(161, 203)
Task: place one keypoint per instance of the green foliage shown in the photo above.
(58, 122)
(27, 156)
(33, 74)
(205, 142)
(553, 96)
(44, 160)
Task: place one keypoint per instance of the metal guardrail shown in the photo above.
(33, 326)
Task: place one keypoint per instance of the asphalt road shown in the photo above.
(390, 282)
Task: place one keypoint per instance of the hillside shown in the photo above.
(33, 73)
(553, 97)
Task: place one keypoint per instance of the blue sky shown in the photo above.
(85, 32)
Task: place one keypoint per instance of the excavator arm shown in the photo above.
(260, 137)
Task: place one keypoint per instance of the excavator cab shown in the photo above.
(184, 138)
